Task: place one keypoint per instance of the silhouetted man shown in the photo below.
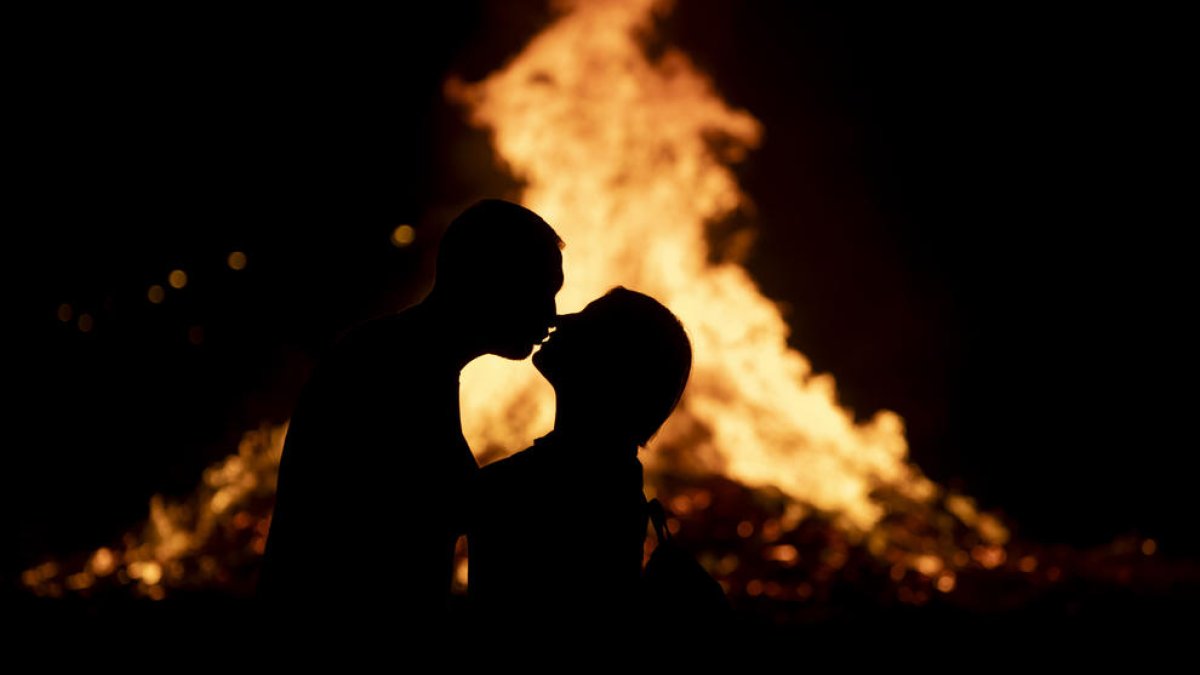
(375, 469)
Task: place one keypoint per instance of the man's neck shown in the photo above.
(448, 331)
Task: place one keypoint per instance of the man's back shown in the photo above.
(374, 470)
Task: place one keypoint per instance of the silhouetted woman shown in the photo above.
(558, 529)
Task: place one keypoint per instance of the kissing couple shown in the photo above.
(377, 483)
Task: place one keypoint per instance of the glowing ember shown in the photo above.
(228, 513)
(403, 235)
(103, 562)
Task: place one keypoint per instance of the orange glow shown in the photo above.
(786, 554)
(681, 505)
(403, 235)
(727, 565)
(64, 312)
(220, 502)
(35, 577)
(103, 562)
(86, 323)
(771, 530)
(964, 508)
(946, 582)
(1149, 547)
(156, 294)
(461, 575)
(1027, 564)
(990, 557)
(177, 278)
(754, 588)
(745, 529)
(792, 516)
(236, 260)
(835, 558)
(80, 581)
(929, 565)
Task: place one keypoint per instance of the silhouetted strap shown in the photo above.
(677, 591)
(658, 516)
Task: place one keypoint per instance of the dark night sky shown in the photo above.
(975, 219)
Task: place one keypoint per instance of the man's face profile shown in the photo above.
(524, 310)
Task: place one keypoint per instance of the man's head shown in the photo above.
(624, 361)
(499, 267)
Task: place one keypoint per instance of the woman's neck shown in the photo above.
(595, 428)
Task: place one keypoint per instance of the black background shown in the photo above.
(972, 217)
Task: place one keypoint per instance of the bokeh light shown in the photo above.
(403, 235)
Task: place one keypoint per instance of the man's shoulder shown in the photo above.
(379, 332)
(388, 340)
(520, 467)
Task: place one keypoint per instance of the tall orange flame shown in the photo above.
(616, 151)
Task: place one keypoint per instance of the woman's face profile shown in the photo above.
(619, 365)
(576, 348)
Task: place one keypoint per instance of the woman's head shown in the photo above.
(621, 363)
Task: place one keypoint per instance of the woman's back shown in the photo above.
(557, 535)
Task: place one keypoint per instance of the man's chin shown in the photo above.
(514, 352)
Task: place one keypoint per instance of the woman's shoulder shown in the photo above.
(556, 464)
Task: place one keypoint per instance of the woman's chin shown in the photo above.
(544, 364)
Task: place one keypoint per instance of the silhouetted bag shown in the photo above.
(676, 588)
